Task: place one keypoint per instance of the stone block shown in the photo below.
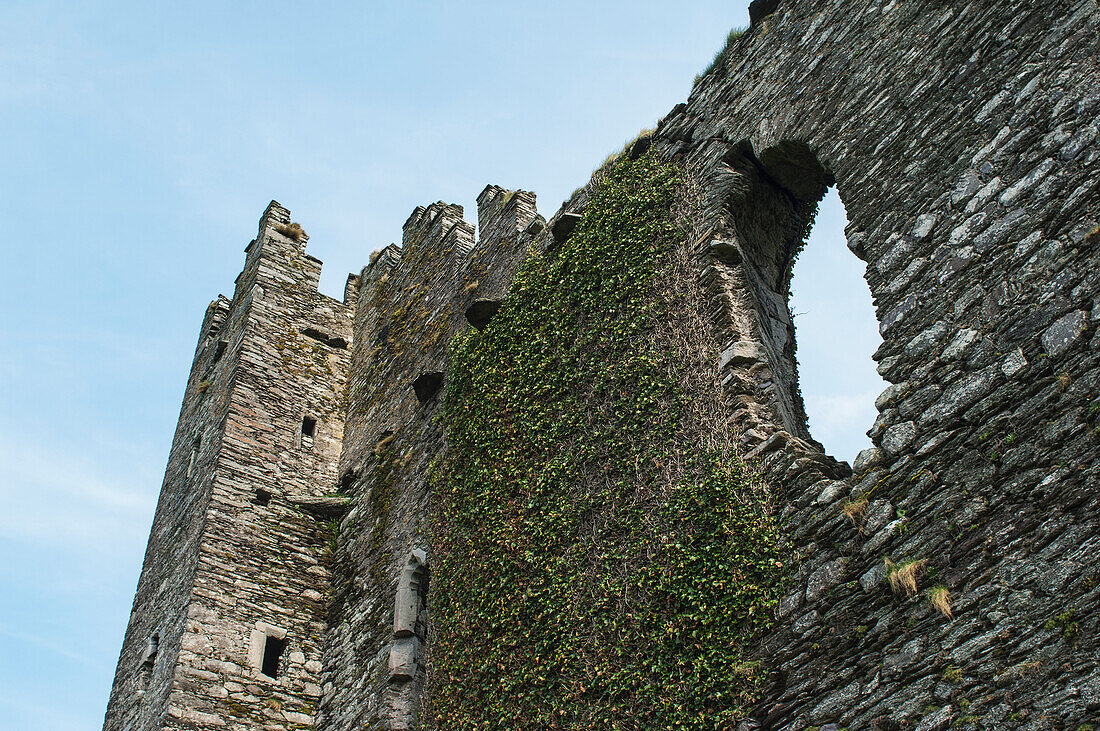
(1060, 337)
(404, 657)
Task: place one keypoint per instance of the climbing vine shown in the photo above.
(597, 565)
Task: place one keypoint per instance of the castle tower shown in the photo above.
(227, 623)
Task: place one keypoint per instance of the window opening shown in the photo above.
(194, 456)
(837, 332)
(330, 340)
(273, 653)
(219, 351)
(427, 385)
(309, 427)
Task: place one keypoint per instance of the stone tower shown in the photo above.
(227, 623)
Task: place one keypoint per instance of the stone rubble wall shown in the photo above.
(412, 302)
(143, 681)
(255, 558)
(962, 139)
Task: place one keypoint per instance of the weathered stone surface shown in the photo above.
(232, 554)
(898, 437)
(1062, 335)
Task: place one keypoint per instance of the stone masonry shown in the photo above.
(287, 579)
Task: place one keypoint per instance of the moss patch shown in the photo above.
(597, 564)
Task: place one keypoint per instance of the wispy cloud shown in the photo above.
(56, 498)
(57, 648)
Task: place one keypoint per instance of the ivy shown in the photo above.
(594, 567)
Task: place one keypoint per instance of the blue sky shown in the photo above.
(139, 143)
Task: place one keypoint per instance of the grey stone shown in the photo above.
(873, 578)
(404, 656)
(924, 226)
(831, 492)
(1027, 182)
(898, 437)
(961, 344)
(743, 352)
(896, 315)
(1014, 363)
(936, 720)
(1060, 337)
(878, 540)
(879, 512)
(961, 395)
(825, 578)
(926, 340)
(966, 186)
(806, 622)
(890, 394)
(868, 459)
(562, 227)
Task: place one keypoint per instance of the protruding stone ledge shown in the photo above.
(726, 252)
(760, 9)
(563, 227)
(322, 506)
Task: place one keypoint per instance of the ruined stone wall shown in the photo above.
(961, 138)
(143, 678)
(412, 301)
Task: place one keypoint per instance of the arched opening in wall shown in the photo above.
(773, 198)
(837, 333)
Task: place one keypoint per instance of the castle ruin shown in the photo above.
(351, 536)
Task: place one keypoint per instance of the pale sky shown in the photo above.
(139, 143)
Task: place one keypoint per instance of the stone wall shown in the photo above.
(413, 300)
(961, 138)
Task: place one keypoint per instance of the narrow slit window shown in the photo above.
(148, 663)
(194, 456)
(273, 653)
(219, 351)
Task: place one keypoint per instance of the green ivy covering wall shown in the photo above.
(595, 566)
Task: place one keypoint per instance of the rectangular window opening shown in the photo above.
(273, 653)
(309, 426)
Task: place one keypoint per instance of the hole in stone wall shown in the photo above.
(837, 332)
(219, 351)
(273, 654)
(330, 340)
(427, 385)
(263, 497)
(309, 427)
